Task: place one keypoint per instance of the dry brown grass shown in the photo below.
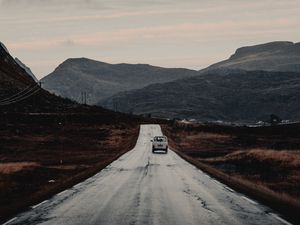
(13, 167)
(283, 202)
(262, 162)
(206, 136)
(64, 149)
(284, 158)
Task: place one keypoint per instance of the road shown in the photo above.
(145, 188)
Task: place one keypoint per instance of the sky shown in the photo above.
(169, 33)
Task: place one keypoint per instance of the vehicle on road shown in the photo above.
(160, 143)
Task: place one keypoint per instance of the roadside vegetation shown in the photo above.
(41, 155)
(263, 162)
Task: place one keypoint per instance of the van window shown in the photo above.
(160, 139)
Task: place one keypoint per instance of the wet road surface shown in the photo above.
(145, 188)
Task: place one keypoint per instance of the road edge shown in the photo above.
(289, 213)
(38, 198)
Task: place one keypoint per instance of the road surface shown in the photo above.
(145, 188)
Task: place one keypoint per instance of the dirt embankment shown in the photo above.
(262, 162)
(43, 154)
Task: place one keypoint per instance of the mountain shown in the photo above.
(233, 96)
(273, 56)
(19, 91)
(23, 100)
(3, 48)
(253, 83)
(27, 69)
(101, 80)
(12, 76)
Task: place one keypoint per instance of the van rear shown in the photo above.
(160, 143)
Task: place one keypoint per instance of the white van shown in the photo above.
(160, 143)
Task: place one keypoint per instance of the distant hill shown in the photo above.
(101, 80)
(233, 96)
(252, 84)
(19, 91)
(273, 56)
(23, 100)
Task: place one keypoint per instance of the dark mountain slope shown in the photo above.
(101, 80)
(273, 56)
(234, 96)
(20, 93)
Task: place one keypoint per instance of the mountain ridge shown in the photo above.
(19, 92)
(234, 96)
(101, 80)
(273, 56)
(227, 83)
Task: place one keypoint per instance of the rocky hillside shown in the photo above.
(235, 89)
(231, 96)
(27, 69)
(102, 80)
(273, 56)
(19, 91)
(12, 75)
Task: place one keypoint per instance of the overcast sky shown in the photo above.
(169, 33)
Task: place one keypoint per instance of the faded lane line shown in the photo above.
(9, 221)
(35, 206)
(229, 189)
(249, 200)
(280, 219)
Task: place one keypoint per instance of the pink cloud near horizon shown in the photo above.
(137, 31)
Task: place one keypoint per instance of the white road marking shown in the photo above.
(9, 221)
(280, 219)
(249, 200)
(229, 189)
(35, 206)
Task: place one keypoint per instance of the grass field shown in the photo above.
(44, 154)
(263, 162)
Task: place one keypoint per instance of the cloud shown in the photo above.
(185, 31)
(98, 4)
(64, 28)
(42, 2)
(68, 43)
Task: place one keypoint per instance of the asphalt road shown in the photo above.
(145, 188)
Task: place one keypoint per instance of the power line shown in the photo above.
(19, 93)
(20, 98)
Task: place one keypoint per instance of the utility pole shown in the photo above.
(84, 97)
(115, 105)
